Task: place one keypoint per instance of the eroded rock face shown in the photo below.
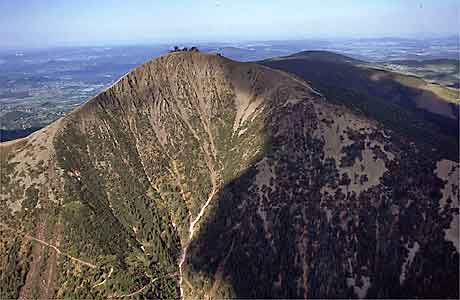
(201, 177)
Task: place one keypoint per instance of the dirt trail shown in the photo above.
(37, 256)
(144, 287)
(105, 279)
(51, 246)
(50, 273)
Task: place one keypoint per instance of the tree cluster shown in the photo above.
(184, 49)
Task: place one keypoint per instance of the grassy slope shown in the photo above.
(448, 94)
(442, 71)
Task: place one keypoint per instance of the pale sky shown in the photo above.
(42, 23)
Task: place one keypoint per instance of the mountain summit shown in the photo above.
(195, 176)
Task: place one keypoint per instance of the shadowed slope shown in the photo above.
(406, 104)
(338, 207)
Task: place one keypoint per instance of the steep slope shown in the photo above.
(425, 111)
(201, 177)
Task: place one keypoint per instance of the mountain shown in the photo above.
(195, 176)
(424, 111)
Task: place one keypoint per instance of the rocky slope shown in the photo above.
(198, 177)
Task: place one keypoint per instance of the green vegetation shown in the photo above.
(440, 71)
(113, 216)
(14, 265)
(448, 94)
(31, 197)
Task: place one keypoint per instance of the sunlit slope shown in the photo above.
(442, 71)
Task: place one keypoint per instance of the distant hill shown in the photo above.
(407, 104)
(324, 56)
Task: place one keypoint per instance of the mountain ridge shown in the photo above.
(406, 104)
(174, 180)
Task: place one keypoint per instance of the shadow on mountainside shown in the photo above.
(268, 233)
(378, 94)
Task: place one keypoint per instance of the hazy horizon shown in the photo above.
(223, 43)
(53, 23)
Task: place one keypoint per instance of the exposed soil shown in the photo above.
(34, 266)
(49, 277)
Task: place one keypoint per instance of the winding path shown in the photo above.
(88, 264)
(145, 286)
(105, 279)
